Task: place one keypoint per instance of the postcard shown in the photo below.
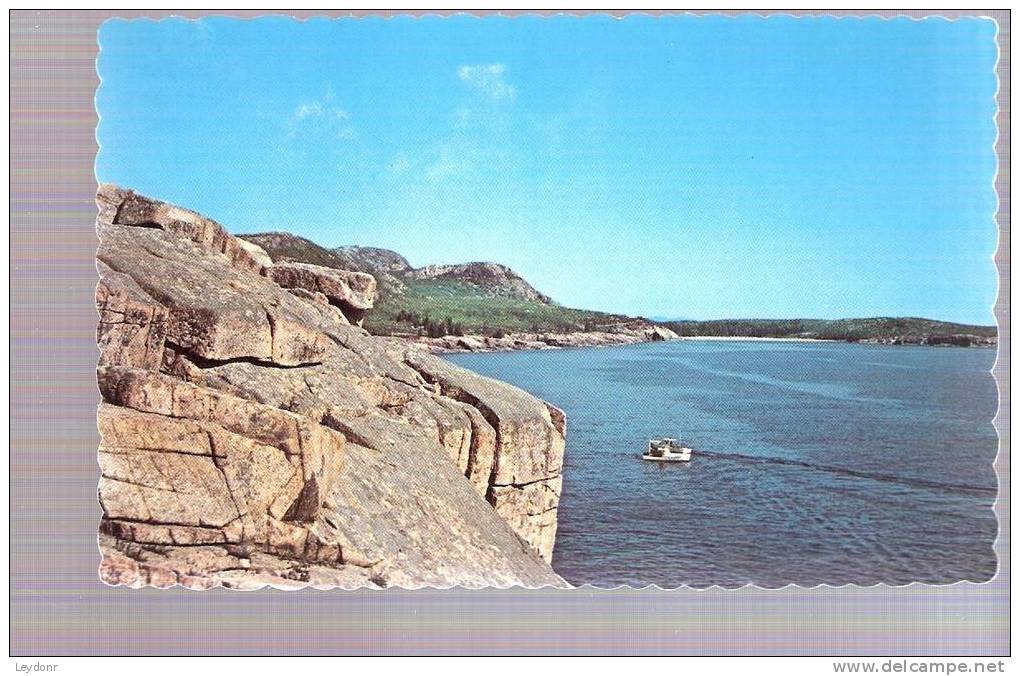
(432, 302)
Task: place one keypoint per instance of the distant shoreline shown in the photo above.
(763, 339)
(540, 342)
(531, 342)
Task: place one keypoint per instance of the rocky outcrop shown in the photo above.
(543, 341)
(118, 206)
(257, 252)
(655, 334)
(517, 460)
(252, 435)
(352, 292)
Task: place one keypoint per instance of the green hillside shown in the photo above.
(457, 301)
(442, 306)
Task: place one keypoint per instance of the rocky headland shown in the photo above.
(627, 335)
(253, 433)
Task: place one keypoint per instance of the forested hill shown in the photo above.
(895, 330)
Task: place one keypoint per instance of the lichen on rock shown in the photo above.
(253, 433)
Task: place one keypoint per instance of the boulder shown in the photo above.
(471, 343)
(257, 252)
(352, 292)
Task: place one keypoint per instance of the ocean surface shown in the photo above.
(815, 463)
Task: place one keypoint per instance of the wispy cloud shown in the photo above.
(321, 116)
(308, 110)
(478, 128)
(488, 79)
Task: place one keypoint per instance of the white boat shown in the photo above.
(667, 450)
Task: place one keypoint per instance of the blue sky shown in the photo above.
(684, 167)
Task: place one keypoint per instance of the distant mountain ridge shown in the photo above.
(492, 279)
(482, 298)
(490, 299)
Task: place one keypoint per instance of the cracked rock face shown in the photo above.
(253, 434)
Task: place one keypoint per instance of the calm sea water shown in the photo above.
(815, 463)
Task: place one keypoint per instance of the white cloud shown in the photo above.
(488, 79)
(321, 117)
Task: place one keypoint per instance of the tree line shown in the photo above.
(430, 327)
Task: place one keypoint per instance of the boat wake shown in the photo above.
(888, 478)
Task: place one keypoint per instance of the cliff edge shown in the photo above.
(253, 433)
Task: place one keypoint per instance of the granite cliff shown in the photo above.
(253, 433)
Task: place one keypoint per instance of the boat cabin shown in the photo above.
(660, 447)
